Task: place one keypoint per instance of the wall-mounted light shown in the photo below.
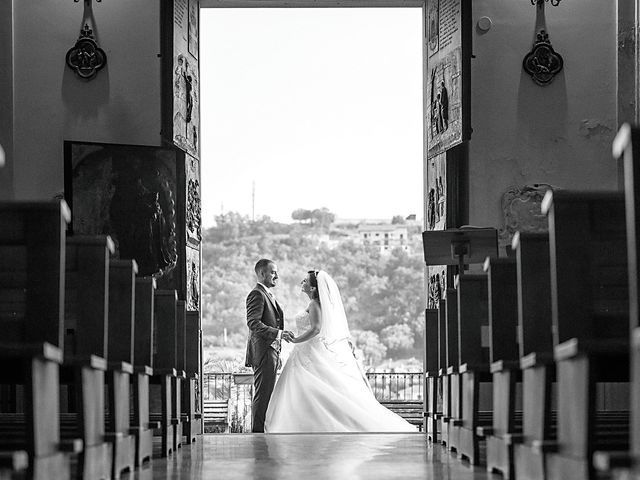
(555, 3)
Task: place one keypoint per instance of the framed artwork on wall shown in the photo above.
(133, 194)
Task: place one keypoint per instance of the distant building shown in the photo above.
(384, 237)
(360, 221)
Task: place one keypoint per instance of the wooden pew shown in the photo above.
(122, 282)
(84, 367)
(590, 315)
(141, 426)
(178, 382)
(442, 396)
(164, 371)
(626, 146)
(13, 464)
(474, 363)
(191, 399)
(442, 366)
(505, 367)
(431, 422)
(536, 355)
(449, 374)
(32, 282)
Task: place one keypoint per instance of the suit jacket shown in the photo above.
(264, 319)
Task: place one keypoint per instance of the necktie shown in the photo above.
(272, 296)
(276, 344)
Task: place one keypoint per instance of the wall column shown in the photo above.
(6, 98)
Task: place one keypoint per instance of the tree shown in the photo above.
(323, 217)
(368, 342)
(383, 295)
(397, 338)
(398, 220)
(301, 215)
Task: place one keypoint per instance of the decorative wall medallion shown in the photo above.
(86, 58)
(555, 3)
(542, 62)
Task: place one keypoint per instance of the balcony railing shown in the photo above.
(396, 386)
(237, 389)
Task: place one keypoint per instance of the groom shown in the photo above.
(265, 320)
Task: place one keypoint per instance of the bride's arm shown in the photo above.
(314, 328)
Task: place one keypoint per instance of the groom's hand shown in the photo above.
(288, 336)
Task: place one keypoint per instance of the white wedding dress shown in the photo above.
(322, 389)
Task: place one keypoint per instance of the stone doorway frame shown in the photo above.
(349, 4)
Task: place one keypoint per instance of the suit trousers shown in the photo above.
(264, 379)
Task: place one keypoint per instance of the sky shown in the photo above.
(315, 107)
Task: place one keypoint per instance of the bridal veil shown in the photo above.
(333, 325)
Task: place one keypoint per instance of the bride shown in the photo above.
(321, 387)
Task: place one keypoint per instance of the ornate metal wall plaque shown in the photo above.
(437, 285)
(521, 211)
(181, 75)
(436, 201)
(193, 210)
(86, 58)
(542, 62)
(193, 279)
(449, 66)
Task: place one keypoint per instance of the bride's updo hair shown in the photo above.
(313, 281)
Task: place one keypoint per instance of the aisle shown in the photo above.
(312, 456)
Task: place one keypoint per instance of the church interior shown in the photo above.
(532, 332)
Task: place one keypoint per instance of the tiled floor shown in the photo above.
(312, 456)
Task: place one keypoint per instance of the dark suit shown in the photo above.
(264, 319)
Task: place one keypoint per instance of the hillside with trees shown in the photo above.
(383, 294)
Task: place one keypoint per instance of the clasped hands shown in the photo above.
(288, 336)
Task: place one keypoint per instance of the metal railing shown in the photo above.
(217, 386)
(237, 388)
(396, 386)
